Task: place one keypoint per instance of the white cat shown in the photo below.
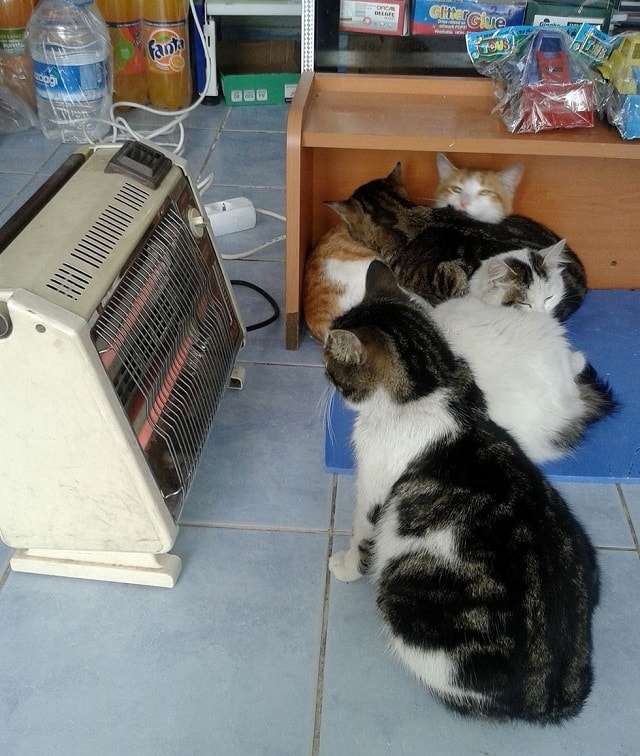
(525, 278)
(536, 386)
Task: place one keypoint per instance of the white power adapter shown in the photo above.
(229, 216)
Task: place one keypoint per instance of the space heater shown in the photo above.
(119, 333)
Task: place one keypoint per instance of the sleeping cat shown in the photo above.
(525, 278)
(435, 251)
(334, 278)
(535, 385)
(335, 269)
(481, 193)
(486, 583)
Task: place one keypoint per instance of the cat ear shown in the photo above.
(445, 166)
(496, 270)
(380, 282)
(397, 182)
(342, 208)
(554, 255)
(345, 347)
(511, 176)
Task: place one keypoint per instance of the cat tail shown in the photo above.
(596, 394)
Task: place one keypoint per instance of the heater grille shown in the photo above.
(167, 338)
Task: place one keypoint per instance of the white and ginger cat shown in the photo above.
(335, 269)
(483, 194)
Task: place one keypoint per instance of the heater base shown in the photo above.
(159, 570)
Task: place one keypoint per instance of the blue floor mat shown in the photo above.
(607, 329)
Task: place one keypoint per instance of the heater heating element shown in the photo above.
(119, 335)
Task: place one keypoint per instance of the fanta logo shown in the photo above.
(163, 45)
(49, 80)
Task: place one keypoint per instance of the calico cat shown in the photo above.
(481, 193)
(434, 251)
(335, 268)
(486, 583)
(525, 278)
(334, 277)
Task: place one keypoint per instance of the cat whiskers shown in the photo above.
(325, 405)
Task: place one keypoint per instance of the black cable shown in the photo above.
(267, 296)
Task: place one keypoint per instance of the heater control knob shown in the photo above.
(196, 222)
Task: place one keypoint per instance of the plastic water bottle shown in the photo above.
(71, 54)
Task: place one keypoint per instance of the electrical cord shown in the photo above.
(267, 296)
(249, 252)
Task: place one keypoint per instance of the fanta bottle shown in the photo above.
(166, 45)
(124, 19)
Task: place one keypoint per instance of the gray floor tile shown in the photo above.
(267, 344)
(223, 664)
(599, 509)
(631, 495)
(258, 118)
(262, 465)
(244, 158)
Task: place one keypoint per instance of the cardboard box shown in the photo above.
(457, 18)
(258, 73)
(568, 14)
(374, 18)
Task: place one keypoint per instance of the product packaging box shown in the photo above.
(597, 12)
(258, 73)
(458, 18)
(374, 18)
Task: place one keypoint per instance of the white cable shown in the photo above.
(249, 252)
(121, 129)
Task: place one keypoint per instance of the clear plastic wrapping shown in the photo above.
(544, 78)
(622, 70)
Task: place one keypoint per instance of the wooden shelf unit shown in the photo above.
(346, 129)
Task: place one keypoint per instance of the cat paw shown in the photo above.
(343, 565)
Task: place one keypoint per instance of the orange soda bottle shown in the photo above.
(166, 44)
(16, 67)
(124, 19)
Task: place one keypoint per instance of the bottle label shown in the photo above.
(126, 41)
(13, 42)
(86, 82)
(167, 45)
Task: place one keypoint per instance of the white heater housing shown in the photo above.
(118, 336)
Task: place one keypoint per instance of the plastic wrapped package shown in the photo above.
(17, 93)
(622, 71)
(542, 80)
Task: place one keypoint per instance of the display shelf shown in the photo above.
(346, 129)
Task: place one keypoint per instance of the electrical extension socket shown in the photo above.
(229, 216)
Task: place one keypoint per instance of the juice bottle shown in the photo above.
(16, 70)
(166, 44)
(124, 19)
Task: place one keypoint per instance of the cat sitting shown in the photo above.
(435, 251)
(486, 583)
(335, 268)
(483, 194)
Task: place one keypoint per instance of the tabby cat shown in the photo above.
(434, 251)
(486, 583)
(481, 193)
(335, 269)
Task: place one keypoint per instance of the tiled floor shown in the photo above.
(256, 652)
